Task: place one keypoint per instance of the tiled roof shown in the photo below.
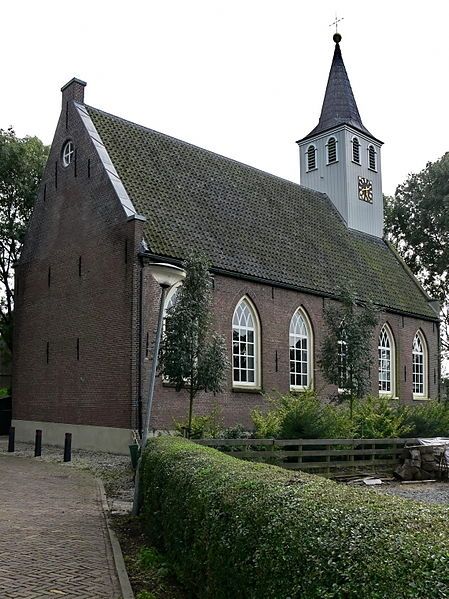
(339, 105)
(248, 221)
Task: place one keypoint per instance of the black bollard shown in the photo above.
(11, 439)
(68, 447)
(38, 444)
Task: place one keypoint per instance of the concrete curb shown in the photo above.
(127, 592)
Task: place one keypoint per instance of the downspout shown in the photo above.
(439, 363)
(139, 423)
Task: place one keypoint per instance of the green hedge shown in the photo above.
(235, 529)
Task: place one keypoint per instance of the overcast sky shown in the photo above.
(244, 78)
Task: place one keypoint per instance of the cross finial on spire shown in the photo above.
(337, 20)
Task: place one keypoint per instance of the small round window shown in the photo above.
(68, 153)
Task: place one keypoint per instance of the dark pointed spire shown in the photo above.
(339, 106)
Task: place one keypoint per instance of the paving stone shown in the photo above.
(53, 537)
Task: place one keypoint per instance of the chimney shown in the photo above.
(73, 90)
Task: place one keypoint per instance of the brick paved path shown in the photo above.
(53, 537)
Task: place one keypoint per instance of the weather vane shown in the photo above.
(336, 23)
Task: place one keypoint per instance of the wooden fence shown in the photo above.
(323, 456)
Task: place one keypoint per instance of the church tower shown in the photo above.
(341, 158)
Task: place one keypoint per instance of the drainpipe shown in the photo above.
(139, 358)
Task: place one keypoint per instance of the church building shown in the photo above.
(116, 195)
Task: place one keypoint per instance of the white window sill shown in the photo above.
(421, 398)
(246, 389)
(310, 170)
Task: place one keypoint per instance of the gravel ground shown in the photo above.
(427, 492)
(118, 476)
(114, 470)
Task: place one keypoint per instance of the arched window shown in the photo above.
(342, 355)
(356, 150)
(171, 298)
(419, 366)
(311, 158)
(68, 153)
(245, 345)
(386, 358)
(372, 158)
(301, 351)
(331, 150)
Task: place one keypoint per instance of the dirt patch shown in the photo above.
(150, 573)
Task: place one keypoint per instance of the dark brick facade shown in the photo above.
(76, 301)
(76, 348)
(275, 308)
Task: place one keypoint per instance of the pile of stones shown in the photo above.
(424, 462)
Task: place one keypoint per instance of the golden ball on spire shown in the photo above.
(337, 38)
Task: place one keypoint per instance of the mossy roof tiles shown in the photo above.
(250, 222)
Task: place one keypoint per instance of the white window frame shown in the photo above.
(300, 312)
(169, 298)
(375, 158)
(327, 150)
(355, 138)
(425, 374)
(167, 304)
(307, 158)
(341, 343)
(391, 359)
(68, 153)
(257, 345)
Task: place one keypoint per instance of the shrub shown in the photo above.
(430, 419)
(302, 416)
(207, 426)
(237, 529)
(379, 418)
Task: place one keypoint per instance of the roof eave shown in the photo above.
(315, 133)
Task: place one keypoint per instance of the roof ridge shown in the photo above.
(187, 143)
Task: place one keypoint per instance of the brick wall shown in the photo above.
(275, 308)
(75, 306)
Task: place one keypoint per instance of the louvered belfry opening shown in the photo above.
(356, 150)
(331, 150)
(311, 158)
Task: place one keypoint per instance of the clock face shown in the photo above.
(365, 190)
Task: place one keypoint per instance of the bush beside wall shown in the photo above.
(238, 529)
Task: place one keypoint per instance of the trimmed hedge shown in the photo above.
(238, 529)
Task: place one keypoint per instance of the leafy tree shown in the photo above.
(21, 163)
(417, 222)
(346, 351)
(192, 356)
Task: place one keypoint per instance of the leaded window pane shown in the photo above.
(299, 352)
(419, 366)
(385, 357)
(244, 344)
